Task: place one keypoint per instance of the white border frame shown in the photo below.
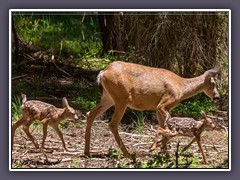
(117, 10)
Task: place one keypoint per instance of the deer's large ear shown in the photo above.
(24, 98)
(212, 72)
(65, 102)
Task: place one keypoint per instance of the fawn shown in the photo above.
(182, 126)
(47, 113)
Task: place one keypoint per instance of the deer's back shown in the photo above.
(143, 86)
(184, 126)
(140, 73)
(38, 109)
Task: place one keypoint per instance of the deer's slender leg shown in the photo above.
(202, 151)
(162, 116)
(45, 125)
(163, 109)
(160, 119)
(15, 126)
(59, 133)
(26, 130)
(101, 107)
(166, 134)
(188, 146)
(114, 124)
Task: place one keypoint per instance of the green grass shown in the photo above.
(17, 164)
(138, 121)
(74, 38)
(158, 161)
(16, 108)
(194, 106)
(115, 154)
(75, 163)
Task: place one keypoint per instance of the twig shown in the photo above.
(60, 68)
(224, 127)
(136, 135)
(218, 118)
(66, 153)
(152, 129)
(141, 144)
(66, 160)
(95, 60)
(206, 145)
(19, 77)
(28, 57)
(42, 71)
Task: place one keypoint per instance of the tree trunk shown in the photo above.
(15, 44)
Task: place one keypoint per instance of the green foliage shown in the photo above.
(75, 163)
(74, 36)
(87, 95)
(110, 55)
(114, 154)
(85, 103)
(17, 164)
(187, 160)
(16, 108)
(139, 121)
(158, 161)
(194, 106)
(35, 88)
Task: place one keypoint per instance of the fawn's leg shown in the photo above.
(166, 135)
(202, 151)
(163, 115)
(26, 130)
(162, 122)
(45, 125)
(59, 133)
(186, 147)
(15, 126)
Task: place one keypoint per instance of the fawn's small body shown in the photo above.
(177, 126)
(47, 113)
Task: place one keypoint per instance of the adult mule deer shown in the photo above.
(144, 88)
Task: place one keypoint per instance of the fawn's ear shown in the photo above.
(65, 102)
(24, 98)
(203, 115)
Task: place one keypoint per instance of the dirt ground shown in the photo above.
(105, 152)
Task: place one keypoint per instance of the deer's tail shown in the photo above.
(99, 81)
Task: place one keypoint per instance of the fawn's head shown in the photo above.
(69, 112)
(210, 85)
(208, 122)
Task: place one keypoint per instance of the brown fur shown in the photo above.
(179, 126)
(47, 113)
(144, 88)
